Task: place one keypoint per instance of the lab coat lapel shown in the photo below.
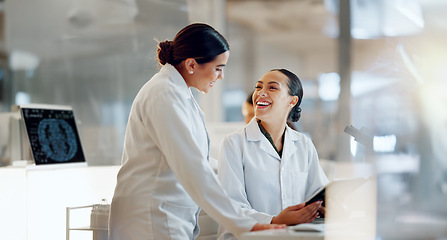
(289, 145)
(181, 84)
(266, 146)
(255, 134)
(202, 116)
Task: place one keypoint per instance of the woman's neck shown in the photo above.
(276, 131)
(185, 75)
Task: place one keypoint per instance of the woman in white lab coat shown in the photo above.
(165, 175)
(267, 167)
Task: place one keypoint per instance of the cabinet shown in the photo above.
(98, 222)
(34, 200)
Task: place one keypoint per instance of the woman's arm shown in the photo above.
(174, 118)
(317, 177)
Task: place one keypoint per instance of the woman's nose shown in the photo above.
(262, 93)
(221, 75)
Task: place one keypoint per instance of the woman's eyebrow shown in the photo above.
(274, 82)
(271, 82)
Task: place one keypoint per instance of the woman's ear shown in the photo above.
(294, 100)
(190, 65)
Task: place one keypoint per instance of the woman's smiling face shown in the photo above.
(271, 98)
(207, 74)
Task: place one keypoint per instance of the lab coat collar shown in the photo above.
(252, 130)
(253, 133)
(289, 143)
(177, 79)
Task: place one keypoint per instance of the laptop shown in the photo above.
(52, 134)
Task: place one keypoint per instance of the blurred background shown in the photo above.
(378, 65)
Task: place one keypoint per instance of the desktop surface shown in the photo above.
(353, 229)
(283, 234)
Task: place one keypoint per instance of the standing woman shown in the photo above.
(165, 175)
(267, 167)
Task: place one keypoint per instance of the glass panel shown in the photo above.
(92, 55)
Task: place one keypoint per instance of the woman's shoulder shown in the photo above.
(236, 134)
(159, 83)
(160, 87)
(299, 136)
(235, 137)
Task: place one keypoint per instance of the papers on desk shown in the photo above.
(307, 227)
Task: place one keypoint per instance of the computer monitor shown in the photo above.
(52, 134)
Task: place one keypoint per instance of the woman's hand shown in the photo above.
(322, 210)
(260, 226)
(298, 214)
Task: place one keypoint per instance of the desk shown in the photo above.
(353, 229)
(282, 234)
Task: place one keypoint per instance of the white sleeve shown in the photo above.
(317, 178)
(231, 176)
(174, 136)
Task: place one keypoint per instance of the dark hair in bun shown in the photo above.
(164, 52)
(198, 40)
(295, 89)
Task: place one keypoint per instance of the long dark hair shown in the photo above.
(198, 40)
(295, 89)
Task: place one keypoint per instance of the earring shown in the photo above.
(191, 72)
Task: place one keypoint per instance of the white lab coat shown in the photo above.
(165, 174)
(254, 175)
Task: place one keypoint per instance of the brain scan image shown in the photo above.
(57, 139)
(52, 135)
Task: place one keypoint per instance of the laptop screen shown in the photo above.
(52, 134)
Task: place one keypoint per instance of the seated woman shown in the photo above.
(267, 167)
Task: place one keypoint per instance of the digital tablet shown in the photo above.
(340, 188)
